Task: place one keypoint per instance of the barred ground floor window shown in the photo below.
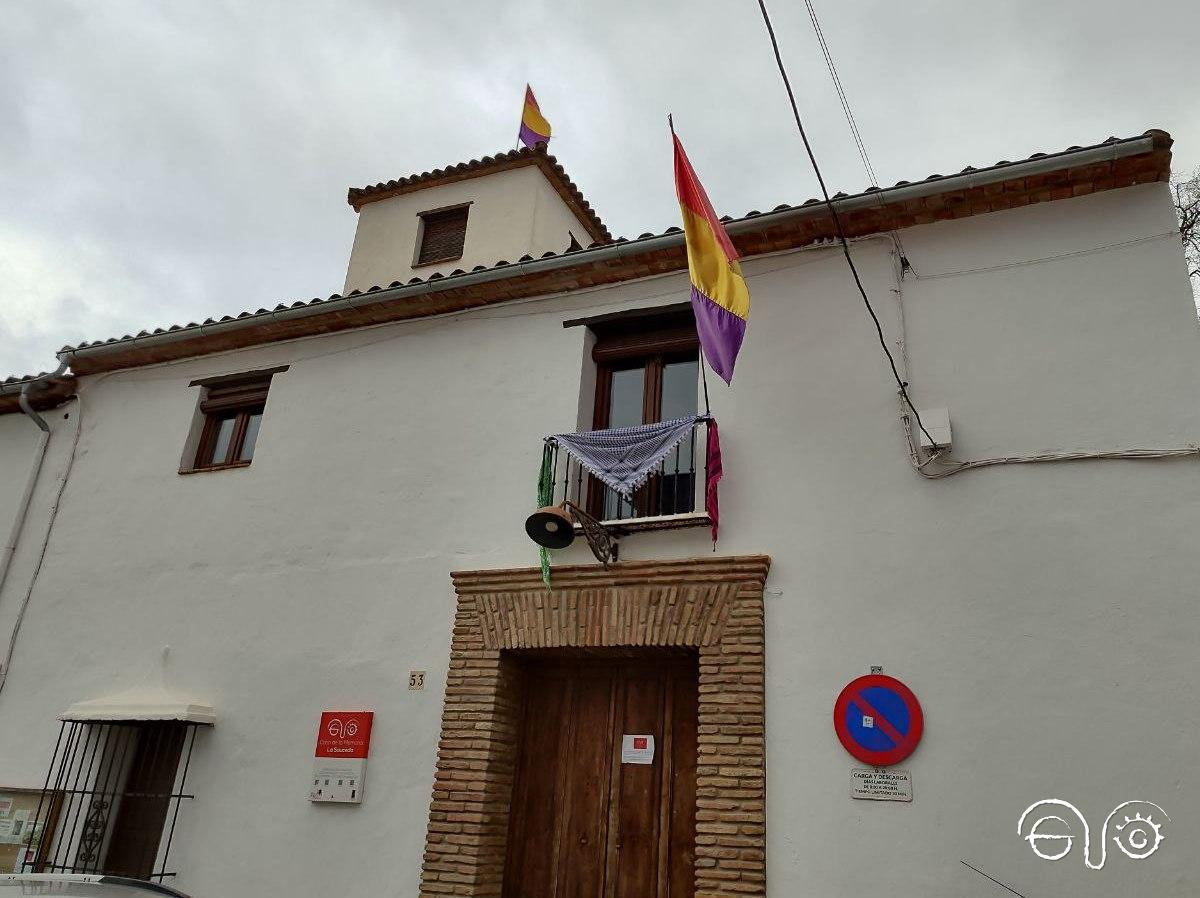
(112, 798)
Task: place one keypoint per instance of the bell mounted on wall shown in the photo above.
(553, 527)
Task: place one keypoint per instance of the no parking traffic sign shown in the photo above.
(878, 720)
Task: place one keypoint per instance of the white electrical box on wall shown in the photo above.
(937, 422)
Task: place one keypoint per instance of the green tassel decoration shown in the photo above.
(545, 495)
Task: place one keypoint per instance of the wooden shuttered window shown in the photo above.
(443, 234)
(232, 414)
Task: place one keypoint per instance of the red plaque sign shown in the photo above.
(344, 734)
(343, 742)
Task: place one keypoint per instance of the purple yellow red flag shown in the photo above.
(720, 299)
(534, 127)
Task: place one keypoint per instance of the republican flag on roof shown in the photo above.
(720, 299)
(534, 127)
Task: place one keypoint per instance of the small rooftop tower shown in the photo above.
(520, 203)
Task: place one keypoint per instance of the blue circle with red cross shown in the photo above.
(878, 720)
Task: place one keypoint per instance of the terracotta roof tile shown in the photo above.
(554, 172)
(1159, 170)
(48, 394)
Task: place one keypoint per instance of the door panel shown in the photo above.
(584, 825)
(536, 796)
(585, 798)
(681, 856)
(638, 793)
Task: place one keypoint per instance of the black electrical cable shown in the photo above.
(996, 881)
(852, 122)
(837, 224)
(859, 143)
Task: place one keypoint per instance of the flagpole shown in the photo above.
(520, 119)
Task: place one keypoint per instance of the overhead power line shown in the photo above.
(837, 224)
(855, 134)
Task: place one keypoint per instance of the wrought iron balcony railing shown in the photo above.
(673, 496)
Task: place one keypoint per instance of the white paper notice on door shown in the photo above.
(637, 749)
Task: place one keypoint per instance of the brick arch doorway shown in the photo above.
(710, 609)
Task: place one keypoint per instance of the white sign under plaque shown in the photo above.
(637, 749)
(880, 784)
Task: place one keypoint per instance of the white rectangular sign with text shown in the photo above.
(880, 784)
(637, 749)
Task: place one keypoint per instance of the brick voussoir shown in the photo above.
(712, 605)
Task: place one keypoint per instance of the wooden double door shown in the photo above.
(584, 823)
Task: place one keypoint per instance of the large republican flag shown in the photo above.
(720, 299)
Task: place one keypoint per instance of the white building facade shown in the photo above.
(243, 524)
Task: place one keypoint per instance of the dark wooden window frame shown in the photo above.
(660, 342)
(238, 401)
(419, 257)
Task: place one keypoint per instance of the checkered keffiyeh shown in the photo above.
(624, 457)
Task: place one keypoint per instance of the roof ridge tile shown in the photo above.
(1161, 138)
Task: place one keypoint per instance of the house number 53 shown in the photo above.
(416, 679)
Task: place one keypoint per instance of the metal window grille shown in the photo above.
(112, 797)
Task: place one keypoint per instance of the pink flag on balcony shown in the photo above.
(713, 472)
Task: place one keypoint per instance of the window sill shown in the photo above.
(442, 261)
(657, 522)
(212, 468)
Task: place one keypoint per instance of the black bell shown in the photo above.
(551, 527)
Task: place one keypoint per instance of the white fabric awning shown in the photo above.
(142, 703)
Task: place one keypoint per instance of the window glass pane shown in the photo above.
(625, 401)
(679, 389)
(252, 423)
(624, 410)
(677, 484)
(221, 445)
(616, 506)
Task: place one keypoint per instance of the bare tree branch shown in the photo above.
(1187, 208)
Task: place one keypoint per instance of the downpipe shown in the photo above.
(35, 471)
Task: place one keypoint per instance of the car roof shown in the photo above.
(84, 886)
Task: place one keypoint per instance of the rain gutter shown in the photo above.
(616, 251)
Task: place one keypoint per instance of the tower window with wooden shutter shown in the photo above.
(441, 235)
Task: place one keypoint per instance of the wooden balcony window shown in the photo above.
(646, 371)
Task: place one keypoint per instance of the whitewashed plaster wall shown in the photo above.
(512, 213)
(1045, 615)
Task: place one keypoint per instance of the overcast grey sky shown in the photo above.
(163, 161)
